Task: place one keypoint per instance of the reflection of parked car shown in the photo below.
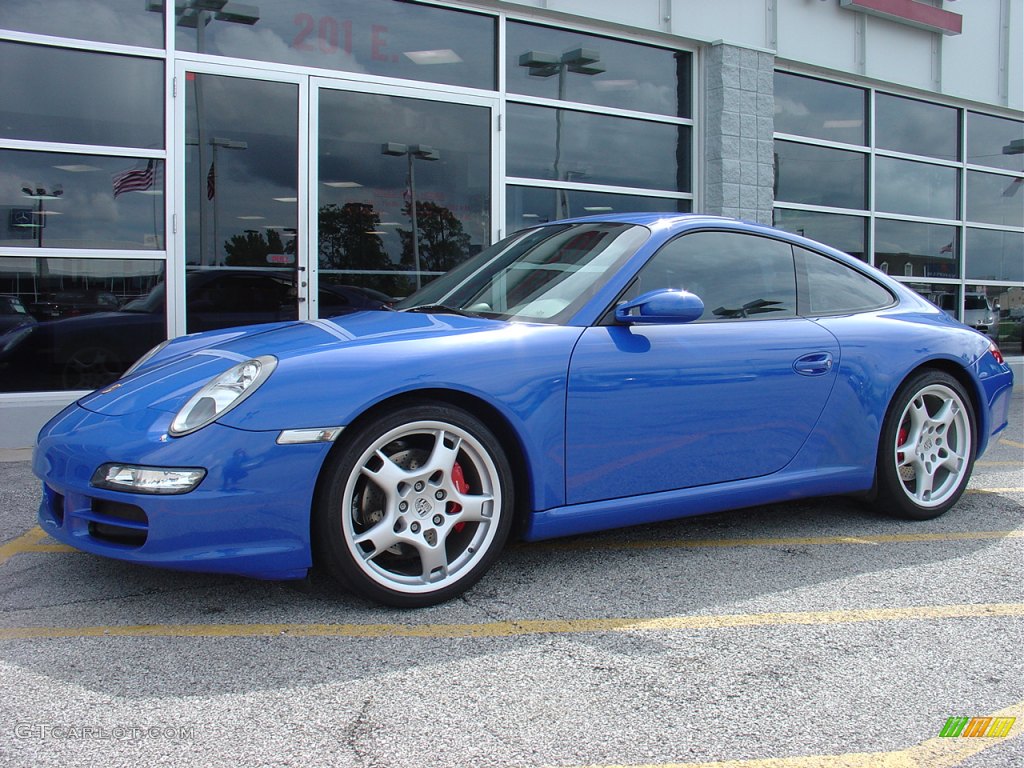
(74, 303)
(13, 314)
(91, 350)
(979, 312)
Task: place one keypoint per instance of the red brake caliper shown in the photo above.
(459, 481)
(901, 439)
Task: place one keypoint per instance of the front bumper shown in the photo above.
(249, 516)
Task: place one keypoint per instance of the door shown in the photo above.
(402, 188)
(240, 192)
(732, 396)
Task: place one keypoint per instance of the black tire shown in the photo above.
(927, 447)
(414, 507)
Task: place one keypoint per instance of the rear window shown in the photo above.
(829, 287)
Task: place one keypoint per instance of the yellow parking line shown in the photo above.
(1011, 443)
(932, 753)
(984, 463)
(994, 490)
(529, 626)
(29, 542)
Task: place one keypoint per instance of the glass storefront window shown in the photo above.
(845, 233)
(916, 189)
(994, 255)
(995, 199)
(914, 249)
(80, 97)
(916, 127)
(820, 176)
(996, 311)
(382, 158)
(390, 38)
(527, 206)
(995, 141)
(126, 22)
(573, 66)
(822, 110)
(564, 145)
(84, 326)
(56, 200)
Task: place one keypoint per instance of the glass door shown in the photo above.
(402, 188)
(240, 190)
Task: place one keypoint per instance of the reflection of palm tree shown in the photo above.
(442, 240)
(346, 241)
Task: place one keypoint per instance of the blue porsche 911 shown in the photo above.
(577, 376)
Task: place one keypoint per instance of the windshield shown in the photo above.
(544, 274)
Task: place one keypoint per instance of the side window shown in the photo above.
(830, 287)
(737, 276)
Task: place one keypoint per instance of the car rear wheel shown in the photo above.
(927, 447)
(416, 506)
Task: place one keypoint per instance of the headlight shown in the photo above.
(145, 358)
(222, 394)
(158, 480)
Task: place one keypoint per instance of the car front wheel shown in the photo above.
(416, 506)
(927, 447)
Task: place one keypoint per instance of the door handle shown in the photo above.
(814, 364)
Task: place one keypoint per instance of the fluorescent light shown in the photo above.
(598, 208)
(843, 123)
(531, 215)
(252, 218)
(287, 199)
(76, 168)
(342, 184)
(442, 56)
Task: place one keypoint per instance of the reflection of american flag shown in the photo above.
(211, 183)
(136, 179)
(946, 248)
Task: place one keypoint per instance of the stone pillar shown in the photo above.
(738, 123)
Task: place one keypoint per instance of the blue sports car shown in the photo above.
(577, 376)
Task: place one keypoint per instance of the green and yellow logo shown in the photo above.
(983, 727)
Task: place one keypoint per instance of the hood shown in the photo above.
(184, 365)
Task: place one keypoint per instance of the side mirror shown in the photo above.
(661, 307)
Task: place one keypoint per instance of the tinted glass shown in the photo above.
(561, 64)
(829, 287)
(376, 37)
(917, 189)
(578, 146)
(377, 155)
(995, 141)
(86, 335)
(845, 233)
(128, 22)
(527, 206)
(994, 255)
(58, 200)
(913, 249)
(820, 176)
(916, 127)
(738, 277)
(808, 107)
(78, 97)
(995, 199)
(241, 171)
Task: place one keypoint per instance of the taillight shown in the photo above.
(996, 353)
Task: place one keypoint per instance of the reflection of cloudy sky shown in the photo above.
(916, 189)
(993, 255)
(86, 215)
(111, 21)
(55, 94)
(819, 176)
(986, 137)
(528, 206)
(906, 125)
(595, 149)
(995, 199)
(381, 33)
(808, 107)
(635, 77)
(915, 238)
(846, 233)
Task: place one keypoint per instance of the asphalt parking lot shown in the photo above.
(814, 633)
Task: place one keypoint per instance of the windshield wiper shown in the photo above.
(442, 309)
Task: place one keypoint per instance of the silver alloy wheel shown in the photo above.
(420, 507)
(933, 445)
